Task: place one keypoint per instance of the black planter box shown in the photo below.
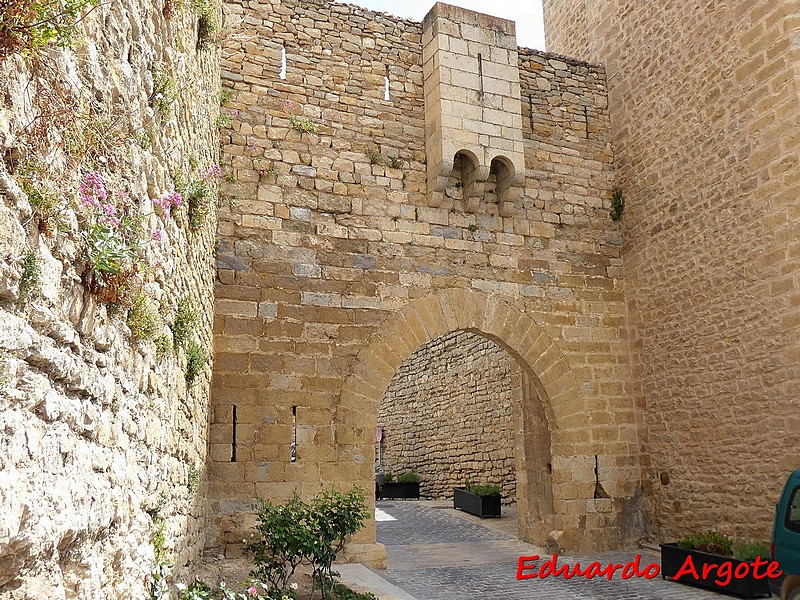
(402, 491)
(674, 557)
(480, 506)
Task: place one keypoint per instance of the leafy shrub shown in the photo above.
(206, 23)
(484, 489)
(389, 477)
(303, 124)
(184, 324)
(374, 157)
(31, 271)
(164, 93)
(28, 26)
(409, 477)
(163, 346)
(295, 532)
(196, 359)
(617, 204)
(750, 551)
(396, 163)
(712, 542)
(47, 207)
(143, 320)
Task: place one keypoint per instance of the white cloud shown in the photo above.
(526, 13)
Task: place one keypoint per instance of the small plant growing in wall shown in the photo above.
(206, 23)
(617, 204)
(224, 121)
(164, 93)
(472, 227)
(28, 27)
(396, 163)
(143, 319)
(29, 282)
(47, 207)
(184, 324)
(374, 157)
(196, 359)
(303, 124)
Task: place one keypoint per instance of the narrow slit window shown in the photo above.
(293, 446)
(386, 85)
(233, 435)
(282, 73)
(480, 71)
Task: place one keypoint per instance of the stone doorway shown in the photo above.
(461, 409)
(563, 486)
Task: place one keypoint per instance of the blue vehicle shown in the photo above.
(786, 541)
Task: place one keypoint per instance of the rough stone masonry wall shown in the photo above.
(100, 437)
(449, 416)
(322, 245)
(705, 107)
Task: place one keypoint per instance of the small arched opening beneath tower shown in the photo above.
(461, 409)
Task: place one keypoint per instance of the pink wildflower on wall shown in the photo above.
(214, 172)
(158, 235)
(167, 200)
(92, 190)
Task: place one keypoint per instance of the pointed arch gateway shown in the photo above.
(557, 476)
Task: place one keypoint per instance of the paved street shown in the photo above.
(442, 554)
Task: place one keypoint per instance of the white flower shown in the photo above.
(293, 586)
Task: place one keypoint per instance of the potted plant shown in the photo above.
(479, 500)
(711, 560)
(405, 486)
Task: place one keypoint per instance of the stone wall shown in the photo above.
(448, 415)
(104, 442)
(330, 242)
(705, 114)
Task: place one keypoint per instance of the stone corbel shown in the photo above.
(438, 176)
(473, 179)
(509, 190)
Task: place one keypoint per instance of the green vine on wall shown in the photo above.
(617, 204)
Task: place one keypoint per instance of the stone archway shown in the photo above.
(548, 374)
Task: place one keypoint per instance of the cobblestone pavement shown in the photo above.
(441, 554)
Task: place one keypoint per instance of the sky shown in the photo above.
(527, 14)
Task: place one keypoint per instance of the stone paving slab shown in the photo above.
(435, 554)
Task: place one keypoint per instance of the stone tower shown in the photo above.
(705, 105)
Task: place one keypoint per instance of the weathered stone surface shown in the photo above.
(706, 151)
(99, 437)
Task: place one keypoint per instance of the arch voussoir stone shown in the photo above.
(564, 408)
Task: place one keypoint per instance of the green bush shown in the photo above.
(484, 489)
(143, 320)
(617, 204)
(27, 27)
(184, 324)
(206, 23)
(409, 477)
(295, 532)
(712, 542)
(750, 551)
(196, 359)
(30, 281)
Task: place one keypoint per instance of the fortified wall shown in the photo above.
(104, 424)
(393, 182)
(704, 105)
